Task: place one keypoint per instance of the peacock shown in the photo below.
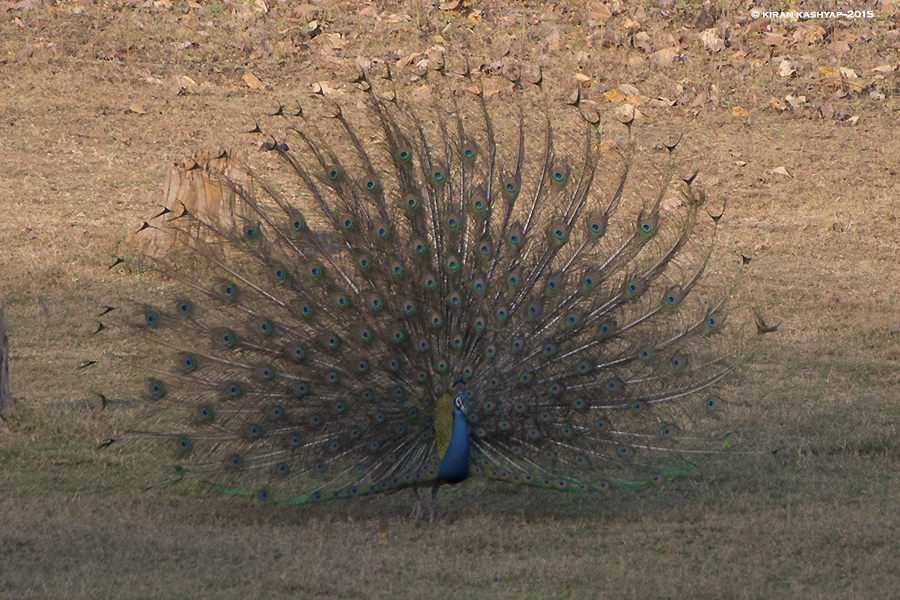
(443, 285)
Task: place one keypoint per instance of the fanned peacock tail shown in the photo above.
(464, 289)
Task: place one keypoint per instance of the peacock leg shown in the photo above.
(417, 509)
(434, 492)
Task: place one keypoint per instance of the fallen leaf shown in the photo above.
(757, 26)
(600, 13)
(607, 145)
(264, 48)
(363, 64)
(808, 35)
(774, 39)
(628, 90)
(553, 36)
(780, 171)
(608, 38)
(712, 41)
(786, 68)
(253, 81)
(664, 56)
(137, 109)
(627, 112)
(660, 102)
(185, 82)
(305, 12)
(737, 111)
(671, 203)
(335, 40)
(326, 88)
(613, 96)
(396, 18)
(641, 41)
(795, 101)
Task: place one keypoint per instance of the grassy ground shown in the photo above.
(92, 110)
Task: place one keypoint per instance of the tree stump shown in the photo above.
(211, 189)
(6, 399)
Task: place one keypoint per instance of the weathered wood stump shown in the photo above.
(208, 188)
(6, 398)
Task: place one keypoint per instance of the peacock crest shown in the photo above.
(465, 286)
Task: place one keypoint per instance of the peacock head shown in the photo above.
(461, 404)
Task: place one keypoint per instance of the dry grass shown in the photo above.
(817, 514)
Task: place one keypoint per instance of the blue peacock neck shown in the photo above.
(454, 466)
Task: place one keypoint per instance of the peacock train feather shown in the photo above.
(473, 288)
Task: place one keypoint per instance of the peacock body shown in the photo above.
(442, 293)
